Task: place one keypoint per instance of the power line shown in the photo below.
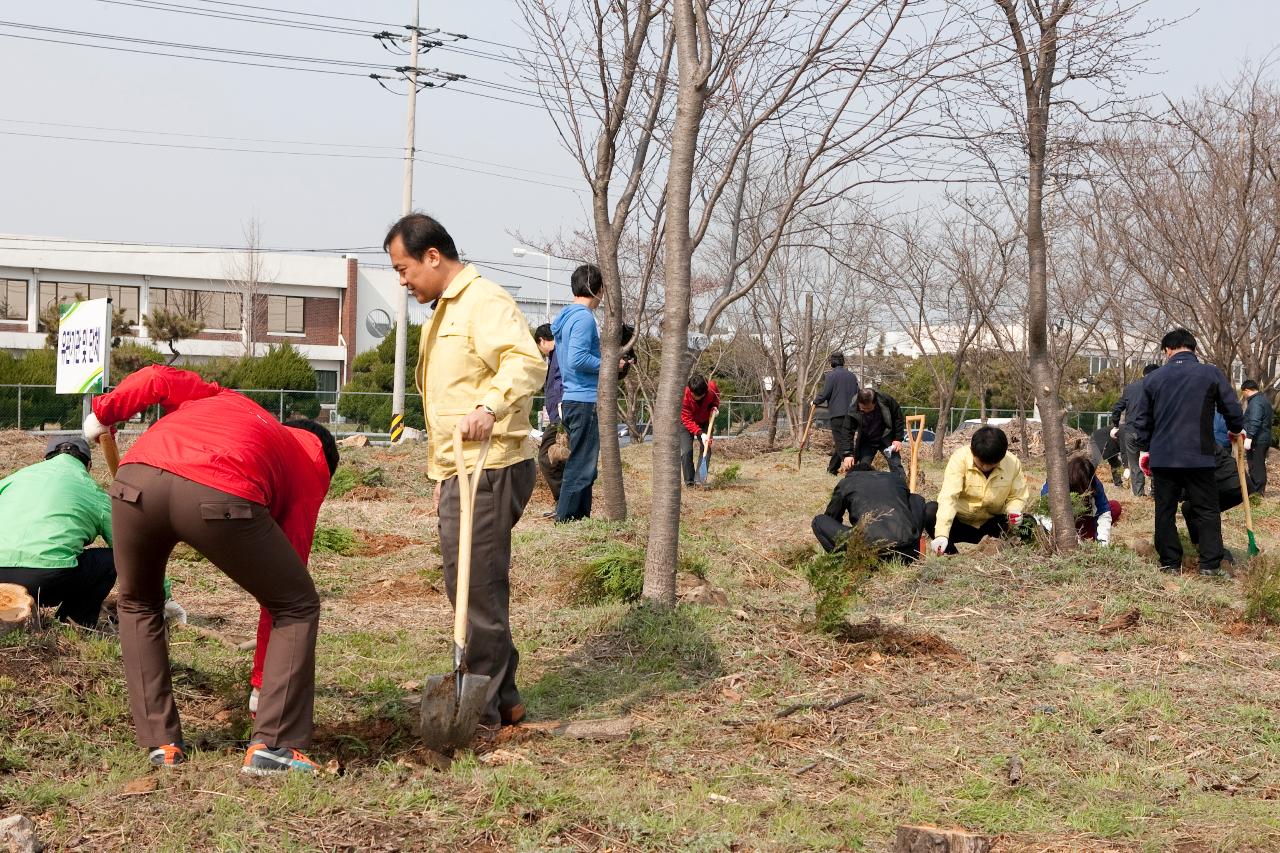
(185, 56)
(294, 24)
(295, 12)
(331, 154)
(284, 57)
(260, 140)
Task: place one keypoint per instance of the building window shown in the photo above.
(123, 297)
(284, 315)
(327, 385)
(215, 310)
(13, 300)
(1099, 363)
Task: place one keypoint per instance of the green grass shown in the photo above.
(334, 540)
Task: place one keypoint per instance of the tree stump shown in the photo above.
(931, 839)
(15, 606)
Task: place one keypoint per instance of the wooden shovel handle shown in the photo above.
(110, 452)
(466, 508)
(1238, 447)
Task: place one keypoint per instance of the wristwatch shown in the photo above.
(491, 412)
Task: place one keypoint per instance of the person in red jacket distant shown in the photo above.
(221, 474)
(701, 400)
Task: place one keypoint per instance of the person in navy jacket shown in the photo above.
(1174, 428)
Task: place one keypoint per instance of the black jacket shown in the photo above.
(1227, 479)
(890, 513)
(895, 425)
(1259, 415)
(1174, 416)
(838, 390)
(1128, 401)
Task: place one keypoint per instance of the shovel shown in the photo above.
(452, 704)
(1244, 497)
(706, 454)
(110, 452)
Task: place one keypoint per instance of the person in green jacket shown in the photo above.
(53, 510)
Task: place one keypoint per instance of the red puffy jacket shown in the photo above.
(222, 439)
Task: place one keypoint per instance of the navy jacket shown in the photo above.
(1174, 417)
(555, 389)
(838, 391)
(1259, 415)
(1128, 401)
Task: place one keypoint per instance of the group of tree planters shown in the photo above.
(1167, 432)
(219, 473)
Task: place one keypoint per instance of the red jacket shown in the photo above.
(221, 439)
(696, 414)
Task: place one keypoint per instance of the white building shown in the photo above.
(330, 308)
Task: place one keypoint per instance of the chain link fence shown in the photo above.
(35, 407)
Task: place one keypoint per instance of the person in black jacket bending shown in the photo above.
(1174, 428)
(891, 517)
(1123, 433)
(879, 427)
(838, 390)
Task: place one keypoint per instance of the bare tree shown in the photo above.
(1092, 44)
(247, 274)
(1195, 206)
(602, 71)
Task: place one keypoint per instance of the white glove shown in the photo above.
(1248, 443)
(93, 428)
(174, 612)
(1104, 529)
(1046, 522)
(1115, 432)
(939, 545)
(896, 447)
(1128, 475)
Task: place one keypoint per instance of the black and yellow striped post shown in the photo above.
(397, 428)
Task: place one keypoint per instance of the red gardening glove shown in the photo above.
(1014, 518)
(1144, 462)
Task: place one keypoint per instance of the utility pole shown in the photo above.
(402, 302)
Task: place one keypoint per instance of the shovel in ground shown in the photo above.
(452, 704)
(1238, 452)
(706, 450)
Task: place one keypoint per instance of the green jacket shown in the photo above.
(51, 510)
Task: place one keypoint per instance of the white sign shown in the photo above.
(84, 347)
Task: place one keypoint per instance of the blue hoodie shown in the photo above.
(578, 352)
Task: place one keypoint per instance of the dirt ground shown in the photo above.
(1086, 702)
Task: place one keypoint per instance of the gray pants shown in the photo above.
(1129, 443)
(501, 496)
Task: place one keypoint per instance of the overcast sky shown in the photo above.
(491, 167)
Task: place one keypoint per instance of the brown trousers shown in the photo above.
(153, 510)
(501, 496)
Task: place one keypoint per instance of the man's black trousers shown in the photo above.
(1198, 489)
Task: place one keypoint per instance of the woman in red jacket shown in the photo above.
(221, 474)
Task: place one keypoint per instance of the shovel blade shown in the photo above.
(449, 716)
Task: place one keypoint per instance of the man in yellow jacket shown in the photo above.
(983, 492)
(478, 369)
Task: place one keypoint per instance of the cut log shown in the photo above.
(16, 605)
(931, 839)
(358, 440)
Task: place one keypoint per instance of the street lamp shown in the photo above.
(520, 252)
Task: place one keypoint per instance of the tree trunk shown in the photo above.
(931, 839)
(664, 513)
(613, 497)
(1042, 373)
(16, 606)
(940, 429)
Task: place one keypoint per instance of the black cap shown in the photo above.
(73, 444)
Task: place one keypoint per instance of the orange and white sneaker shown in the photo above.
(262, 760)
(169, 755)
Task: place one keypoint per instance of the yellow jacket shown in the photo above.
(477, 350)
(973, 497)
